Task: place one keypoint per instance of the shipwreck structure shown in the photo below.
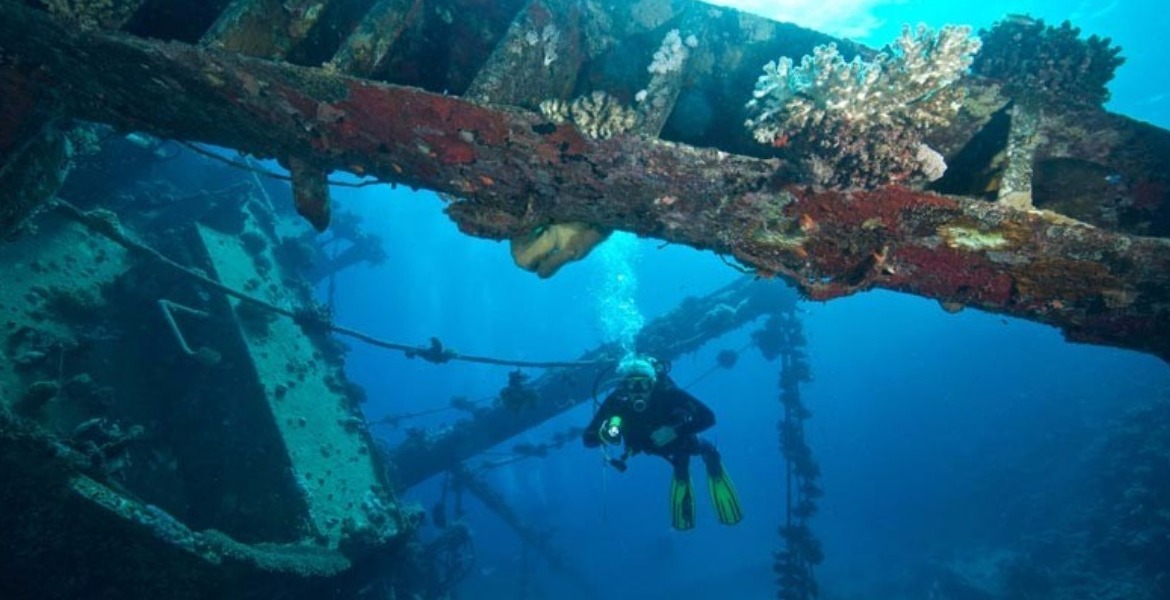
(549, 123)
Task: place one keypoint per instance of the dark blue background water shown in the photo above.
(937, 433)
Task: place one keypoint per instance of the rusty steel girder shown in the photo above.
(512, 170)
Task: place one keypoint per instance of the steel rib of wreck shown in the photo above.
(695, 322)
(515, 170)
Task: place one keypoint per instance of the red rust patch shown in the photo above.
(451, 152)
(947, 274)
(378, 104)
(564, 141)
(888, 206)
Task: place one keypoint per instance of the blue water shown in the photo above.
(939, 435)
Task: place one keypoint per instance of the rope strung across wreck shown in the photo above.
(725, 360)
(266, 173)
(106, 224)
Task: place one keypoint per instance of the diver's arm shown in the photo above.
(590, 436)
(698, 416)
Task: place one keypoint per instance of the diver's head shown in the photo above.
(637, 376)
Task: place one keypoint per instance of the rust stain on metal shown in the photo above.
(386, 116)
(948, 273)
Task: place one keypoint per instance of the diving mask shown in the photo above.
(637, 391)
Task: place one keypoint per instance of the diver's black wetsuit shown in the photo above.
(667, 405)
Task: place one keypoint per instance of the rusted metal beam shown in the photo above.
(539, 58)
(515, 170)
(1104, 169)
(540, 541)
(31, 176)
(367, 46)
(33, 151)
(264, 28)
(110, 14)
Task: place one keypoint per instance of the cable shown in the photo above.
(267, 173)
(106, 223)
(717, 366)
(395, 419)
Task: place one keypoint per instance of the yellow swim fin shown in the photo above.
(723, 496)
(682, 502)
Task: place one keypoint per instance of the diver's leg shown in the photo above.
(710, 456)
(723, 495)
(682, 493)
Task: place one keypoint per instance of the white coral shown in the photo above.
(597, 115)
(671, 55)
(601, 116)
(555, 109)
(551, 36)
(931, 162)
(865, 117)
(910, 85)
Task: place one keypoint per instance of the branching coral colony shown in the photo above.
(1041, 68)
(1040, 64)
(861, 123)
(597, 115)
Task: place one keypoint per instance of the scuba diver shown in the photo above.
(650, 414)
